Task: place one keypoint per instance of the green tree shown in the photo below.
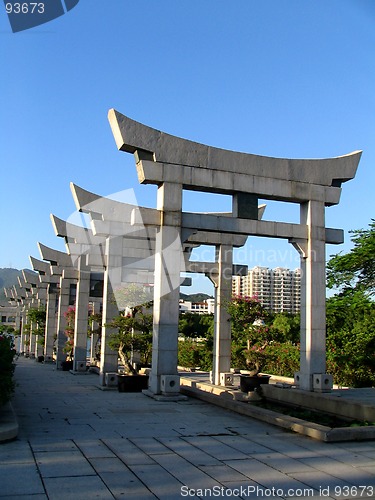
(351, 312)
(195, 325)
(355, 269)
(192, 352)
(250, 334)
(37, 317)
(7, 330)
(351, 338)
(244, 311)
(285, 327)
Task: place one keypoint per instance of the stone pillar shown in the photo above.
(112, 278)
(24, 344)
(32, 338)
(81, 316)
(222, 332)
(164, 378)
(313, 301)
(39, 348)
(31, 342)
(49, 339)
(65, 281)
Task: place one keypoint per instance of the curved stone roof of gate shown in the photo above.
(50, 254)
(132, 136)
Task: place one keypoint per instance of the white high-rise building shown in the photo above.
(278, 290)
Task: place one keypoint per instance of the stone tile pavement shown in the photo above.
(78, 442)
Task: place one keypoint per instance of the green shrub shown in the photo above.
(7, 353)
(189, 353)
(351, 339)
(195, 354)
(282, 359)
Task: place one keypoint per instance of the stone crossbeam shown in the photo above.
(113, 218)
(221, 182)
(198, 166)
(235, 226)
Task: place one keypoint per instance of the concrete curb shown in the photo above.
(8, 423)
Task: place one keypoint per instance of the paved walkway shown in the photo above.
(78, 442)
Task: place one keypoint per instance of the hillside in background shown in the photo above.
(8, 278)
(195, 297)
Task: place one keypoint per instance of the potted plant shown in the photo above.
(133, 342)
(94, 333)
(250, 337)
(69, 344)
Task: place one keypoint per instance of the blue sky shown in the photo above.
(282, 78)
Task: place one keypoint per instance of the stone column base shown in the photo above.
(164, 397)
(79, 366)
(111, 379)
(169, 388)
(316, 382)
(226, 379)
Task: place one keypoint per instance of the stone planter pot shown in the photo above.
(66, 366)
(132, 383)
(249, 383)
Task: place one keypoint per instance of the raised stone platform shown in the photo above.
(357, 404)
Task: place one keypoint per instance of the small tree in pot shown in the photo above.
(134, 334)
(250, 337)
(68, 348)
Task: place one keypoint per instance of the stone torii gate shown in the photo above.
(113, 219)
(174, 164)
(81, 246)
(28, 281)
(122, 249)
(61, 267)
(51, 283)
(17, 295)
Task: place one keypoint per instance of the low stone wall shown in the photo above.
(321, 402)
(8, 423)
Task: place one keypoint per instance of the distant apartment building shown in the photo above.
(278, 290)
(205, 307)
(9, 317)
